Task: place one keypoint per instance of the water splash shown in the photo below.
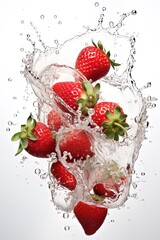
(45, 67)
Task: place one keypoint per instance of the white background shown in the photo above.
(26, 211)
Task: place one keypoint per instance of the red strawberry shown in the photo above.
(54, 120)
(63, 176)
(109, 188)
(78, 143)
(90, 217)
(74, 93)
(36, 138)
(93, 62)
(111, 118)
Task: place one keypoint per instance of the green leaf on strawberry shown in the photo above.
(36, 138)
(111, 118)
(115, 126)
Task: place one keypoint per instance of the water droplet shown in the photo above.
(67, 228)
(149, 84)
(134, 185)
(7, 129)
(112, 220)
(37, 171)
(57, 52)
(9, 79)
(21, 49)
(14, 97)
(10, 123)
(111, 24)
(56, 41)
(22, 22)
(55, 16)
(104, 9)
(142, 173)
(134, 12)
(44, 175)
(96, 4)
(134, 195)
(153, 105)
(65, 215)
(42, 16)
(59, 22)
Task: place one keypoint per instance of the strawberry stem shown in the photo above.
(108, 54)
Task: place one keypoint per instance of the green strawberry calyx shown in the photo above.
(91, 96)
(25, 134)
(108, 54)
(115, 126)
(96, 197)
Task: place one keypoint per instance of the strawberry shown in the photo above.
(111, 118)
(75, 93)
(93, 61)
(63, 176)
(78, 143)
(90, 217)
(36, 138)
(109, 188)
(54, 120)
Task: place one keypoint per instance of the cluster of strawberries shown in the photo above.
(39, 139)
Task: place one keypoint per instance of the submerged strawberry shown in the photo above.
(94, 62)
(90, 217)
(78, 143)
(111, 118)
(54, 120)
(36, 138)
(75, 93)
(109, 188)
(63, 176)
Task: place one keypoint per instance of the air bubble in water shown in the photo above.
(22, 22)
(9, 79)
(7, 129)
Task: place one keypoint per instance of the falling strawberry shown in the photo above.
(111, 118)
(94, 62)
(36, 138)
(78, 143)
(63, 176)
(54, 120)
(75, 93)
(90, 217)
